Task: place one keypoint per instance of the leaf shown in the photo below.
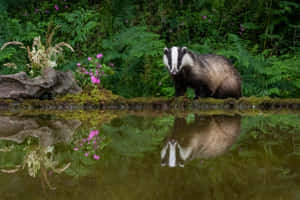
(251, 26)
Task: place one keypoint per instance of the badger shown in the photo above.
(209, 75)
(206, 137)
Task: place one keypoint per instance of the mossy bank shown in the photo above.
(105, 100)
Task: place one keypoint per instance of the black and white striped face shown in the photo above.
(173, 59)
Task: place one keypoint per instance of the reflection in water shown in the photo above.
(205, 137)
(265, 156)
(48, 132)
(37, 157)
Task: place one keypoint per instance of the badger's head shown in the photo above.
(173, 58)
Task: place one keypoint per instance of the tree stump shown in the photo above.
(51, 82)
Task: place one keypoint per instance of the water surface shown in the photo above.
(161, 156)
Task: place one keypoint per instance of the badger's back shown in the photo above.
(217, 72)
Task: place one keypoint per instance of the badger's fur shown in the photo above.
(210, 75)
(206, 137)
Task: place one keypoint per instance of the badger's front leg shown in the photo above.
(180, 88)
(202, 91)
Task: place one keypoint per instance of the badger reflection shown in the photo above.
(205, 137)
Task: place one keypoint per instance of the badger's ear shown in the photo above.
(184, 50)
(166, 50)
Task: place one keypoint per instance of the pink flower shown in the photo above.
(111, 64)
(204, 17)
(83, 140)
(80, 144)
(100, 55)
(89, 58)
(86, 154)
(94, 79)
(86, 72)
(91, 74)
(96, 157)
(76, 149)
(83, 69)
(93, 134)
(56, 7)
(78, 64)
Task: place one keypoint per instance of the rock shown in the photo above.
(50, 83)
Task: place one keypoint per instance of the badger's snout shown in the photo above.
(174, 71)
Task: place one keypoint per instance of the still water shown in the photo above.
(149, 156)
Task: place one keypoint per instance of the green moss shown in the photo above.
(149, 99)
(92, 96)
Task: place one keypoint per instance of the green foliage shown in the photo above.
(190, 93)
(272, 74)
(130, 49)
(78, 27)
(6, 54)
